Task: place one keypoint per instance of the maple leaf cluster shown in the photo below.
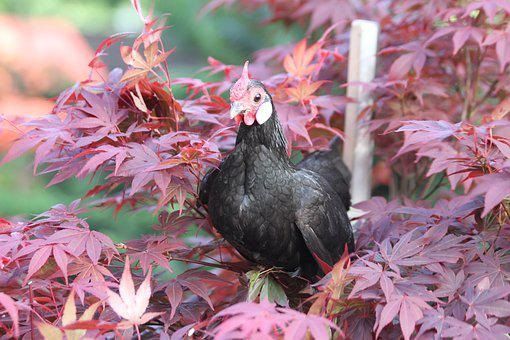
(431, 258)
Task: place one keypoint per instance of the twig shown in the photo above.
(436, 186)
(54, 300)
(208, 264)
(31, 293)
(194, 208)
(220, 265)
(487, 94)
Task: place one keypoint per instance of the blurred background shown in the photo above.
(46, 45)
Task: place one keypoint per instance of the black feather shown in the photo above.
(329, 165)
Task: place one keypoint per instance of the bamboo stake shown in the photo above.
(358, 145)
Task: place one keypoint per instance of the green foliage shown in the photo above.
(24, 195)
(264, 287)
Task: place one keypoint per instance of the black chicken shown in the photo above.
(273, 212)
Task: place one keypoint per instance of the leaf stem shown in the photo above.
(31, 317)
(138, 332)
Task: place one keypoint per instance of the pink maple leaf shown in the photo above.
(266, 320)
(495, 187)
(130, 304)
(10, 307)
(501, 39)
(415, 59)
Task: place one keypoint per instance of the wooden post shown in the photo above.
(358, 145)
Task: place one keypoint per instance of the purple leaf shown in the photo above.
(39, 258)
(174, 293)
(388, 313)
(10, 306)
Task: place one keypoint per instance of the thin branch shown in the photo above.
(487, 94)
(195, 209)
(436, 186)
(171, 257)
(31, 317)
(221, 265)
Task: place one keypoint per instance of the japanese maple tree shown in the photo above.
(431, 257)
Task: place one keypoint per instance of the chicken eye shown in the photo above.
(257, 97)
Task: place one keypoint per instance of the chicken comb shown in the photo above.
(241, 85)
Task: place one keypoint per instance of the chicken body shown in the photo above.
(274, 212)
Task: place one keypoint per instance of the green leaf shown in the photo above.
(273, 292)
(255, 285)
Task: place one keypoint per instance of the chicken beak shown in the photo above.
(236, 108)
